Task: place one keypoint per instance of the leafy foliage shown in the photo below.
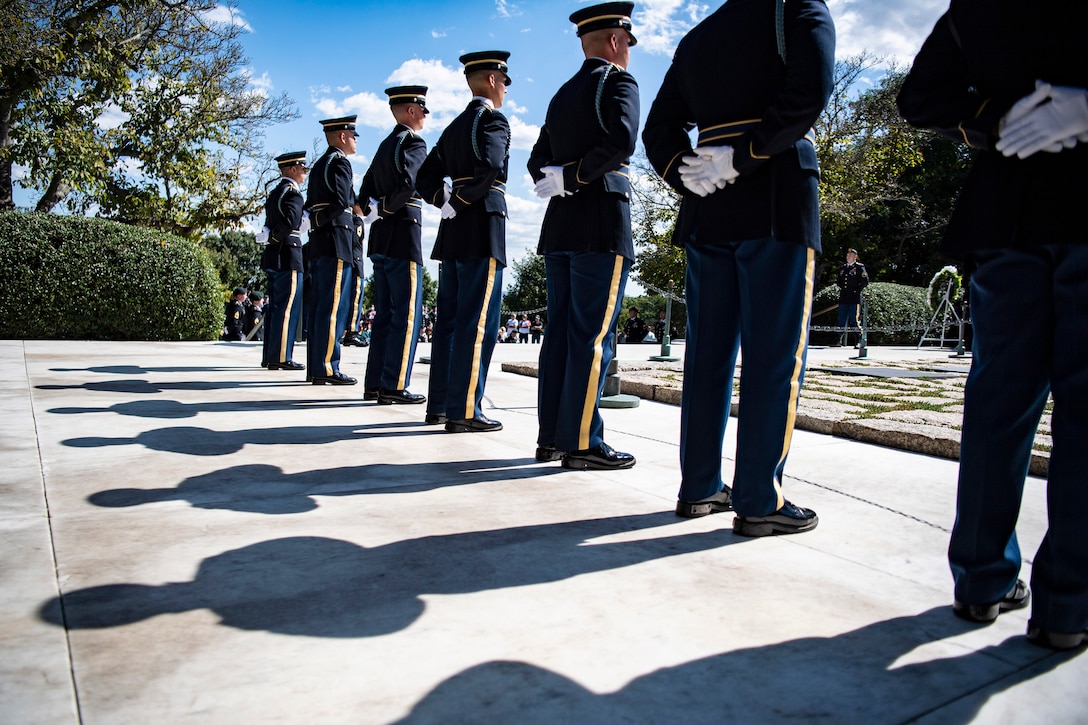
(888, 305)
(237, 257)
(529, 290)
(140, 110)
(76, 277)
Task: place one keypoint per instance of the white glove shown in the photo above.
(1047, 126)
(448, 212)
(304, 226)
(373, 214)
(262, 236)
(552, 183)
(1021, 108)
(709, 170)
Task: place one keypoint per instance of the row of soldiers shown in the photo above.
(752, 79)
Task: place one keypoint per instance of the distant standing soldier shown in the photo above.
(396, 249)
(581, 163)
(330, 199)
(474, 153)
(852, 279)
(282, 262)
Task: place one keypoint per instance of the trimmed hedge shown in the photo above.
(890, 305)
(71, 277)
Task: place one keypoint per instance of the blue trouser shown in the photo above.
(585, 294)
(331, 302)
(848, 315)
(281, 320)
(755, 295)
(469, 296)
(1029, 310)
(355, 302)
(397, 287)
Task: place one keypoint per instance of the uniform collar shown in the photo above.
(485, 101)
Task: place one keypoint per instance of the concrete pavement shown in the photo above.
(189, 537)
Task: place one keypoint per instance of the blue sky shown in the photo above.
(334, 58)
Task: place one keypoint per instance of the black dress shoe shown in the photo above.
(401, 397)
(264, 364)
(544, 454)
(1017, 598)
(789, 519)
(1055, 640)
(334, 379)
(353, 340)
(370, 393)
(479, 424)
(719, 502)
(434, 419)
(601, 458)
(289, 365)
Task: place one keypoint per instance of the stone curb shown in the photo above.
(930, 440)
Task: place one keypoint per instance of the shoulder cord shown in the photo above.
(780, 27)
(475, 126)
(600, 92)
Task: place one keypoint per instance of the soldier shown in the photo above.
(254, 317)
(1011, 81)
(580, 162)
(282, 262)
(753, 77)
(234, 329)
(352, 338)
(396, 252)
(473, 152)
(330, 199)
(852, 279)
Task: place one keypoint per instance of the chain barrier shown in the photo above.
(524, 312)
(659, 291)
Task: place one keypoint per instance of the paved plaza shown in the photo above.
(187, 537)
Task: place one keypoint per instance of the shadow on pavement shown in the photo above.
(140, 370)
(145, 387)
(173, 409)
(195, 441)
(266, 489)
(849, 678)
(321, 587)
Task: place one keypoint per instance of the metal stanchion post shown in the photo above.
(863, 341)
(612, 397)
(666, 339)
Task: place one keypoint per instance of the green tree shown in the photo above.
(529, 290)
(237, 257)
(141, 110)
(653, 216)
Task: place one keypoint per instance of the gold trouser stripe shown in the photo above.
(332, 316)
(798, 366)
(356, 300)
(285, 324)
(477, 347)
(590, 401)
(406, 350)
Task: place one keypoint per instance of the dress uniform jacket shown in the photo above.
(765, 115)
(590, 130)
(473, 152)
(397, 232)
(852, 279)
(330, 197)
(974, 66)
(283, 217)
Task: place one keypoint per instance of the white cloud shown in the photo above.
(225, 15)
(343, 89)
(893, 29)
(509, 106)
(660, 24)
(507, 9)
(438, 33)
(522, 135)
(111, 117)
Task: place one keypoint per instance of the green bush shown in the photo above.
(73, 277)
(889, 305)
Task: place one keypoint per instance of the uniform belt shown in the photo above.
(722, 131)
(623, 169)
(320, 215)
(460, 184)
